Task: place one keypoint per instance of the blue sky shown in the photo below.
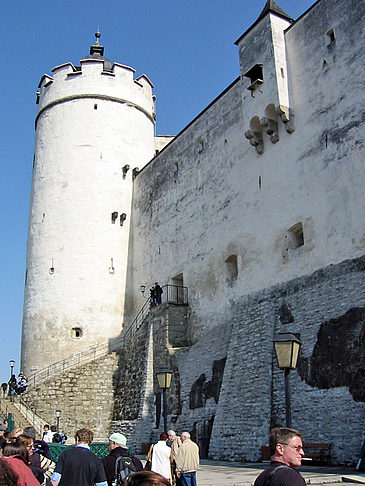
(185, 47)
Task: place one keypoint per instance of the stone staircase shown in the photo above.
(21, 414)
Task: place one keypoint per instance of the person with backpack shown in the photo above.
(119, 464)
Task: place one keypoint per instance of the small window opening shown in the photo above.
(256, 76)
(114, 216)
(282, 72)
(125, 169)
(122, 218)
(76, 332)
(111, 268)
(330, 36)
(231, 267)
(201, 146)
(295, 236)
(95, 106)
(260, 182)
(52, 270)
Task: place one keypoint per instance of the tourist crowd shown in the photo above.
(26, 460)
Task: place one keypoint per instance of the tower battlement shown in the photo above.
(96, 77)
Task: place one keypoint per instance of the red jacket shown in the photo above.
(20, 467)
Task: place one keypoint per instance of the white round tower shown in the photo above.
(95, 124)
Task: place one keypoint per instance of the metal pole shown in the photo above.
(164, 410)
(287, 398)
(58, 424)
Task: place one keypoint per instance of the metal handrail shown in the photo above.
(31, 417)
(172, 294)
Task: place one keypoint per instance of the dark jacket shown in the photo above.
(109, 462)
(278, 474)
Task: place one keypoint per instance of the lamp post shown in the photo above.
(58, 415)
(163, 376)
(12, 363)
(287, 346)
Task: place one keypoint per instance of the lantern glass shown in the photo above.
(58, 413)
(12, 363)
(164, 378)
(143, 288)
(287, 353)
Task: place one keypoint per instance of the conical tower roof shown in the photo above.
(272, 6)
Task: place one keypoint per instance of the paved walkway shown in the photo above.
(219, 473)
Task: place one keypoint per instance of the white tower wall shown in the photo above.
(91, 123)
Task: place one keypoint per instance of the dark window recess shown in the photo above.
(114, 216)
(295, 236)
(231, 267)
(122, 218)
(330, 36)
(256, 76)
(95, 106)
(76, 332)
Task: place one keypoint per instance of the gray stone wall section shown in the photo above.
(138, 431)
(84, 395)
(252, 379)
(193, 362)
(243, 412)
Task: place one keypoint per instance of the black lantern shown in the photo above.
(164, 381)
(12, 364)
(287, 346)
(58, 415)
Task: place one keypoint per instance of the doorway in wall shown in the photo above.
(177, 290)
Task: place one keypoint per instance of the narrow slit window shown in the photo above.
(114, 216)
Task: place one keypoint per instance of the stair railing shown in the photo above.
(172, 294)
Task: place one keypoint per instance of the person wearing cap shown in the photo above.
(174, 442)
(2, 430)
(117, 447)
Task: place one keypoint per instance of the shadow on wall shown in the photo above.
(338, 357)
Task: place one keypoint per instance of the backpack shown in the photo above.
(124, 468)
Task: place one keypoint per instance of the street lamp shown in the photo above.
(58, 415)
(12, 363)
(163, 376)
(287, 346)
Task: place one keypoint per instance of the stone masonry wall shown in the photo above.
(252, 394)
(84, 395)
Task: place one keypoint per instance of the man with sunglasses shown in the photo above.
(286, 450)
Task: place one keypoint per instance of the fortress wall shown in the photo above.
(85, 396)
(209, 194)
(328, 400)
